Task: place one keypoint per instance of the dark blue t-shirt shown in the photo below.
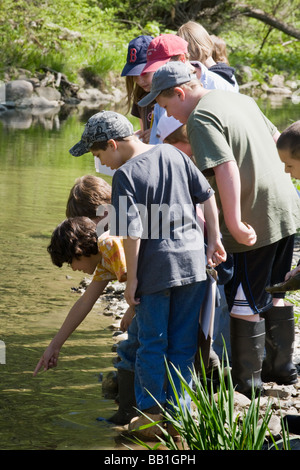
(154, 196)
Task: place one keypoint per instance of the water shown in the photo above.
(58, 408)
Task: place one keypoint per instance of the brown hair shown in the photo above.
(134, 92)
(179, 135)
(200, 44)
(102, 145)
(169, 92)
(74, 237)
(88, 193)
(219, 53)
(289, 139)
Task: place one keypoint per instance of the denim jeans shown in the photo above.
(127, 349)
(168, 323)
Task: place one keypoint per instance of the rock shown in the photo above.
(18, 90)
(22, 94)
(94, 96)
(296, 97)
(120, 337)
(292, 84)
(280, 91)
(277, 81)
(49, 93)
(110, 385)
(274, 426)
(249, 85)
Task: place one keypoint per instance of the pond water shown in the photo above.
(58, 408)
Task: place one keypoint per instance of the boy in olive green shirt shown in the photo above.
(234, 146)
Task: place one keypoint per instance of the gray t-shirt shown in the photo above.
(154, 196)
(227, 127)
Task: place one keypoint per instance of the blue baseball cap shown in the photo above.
(136, 56)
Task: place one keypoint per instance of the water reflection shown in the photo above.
(24, 119)
(57, 409)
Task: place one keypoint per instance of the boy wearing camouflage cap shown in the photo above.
(166, 267)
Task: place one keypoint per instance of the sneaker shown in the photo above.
(149, 433)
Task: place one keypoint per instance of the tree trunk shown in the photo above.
(270, 20)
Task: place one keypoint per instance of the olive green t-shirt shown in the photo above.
(228, 126)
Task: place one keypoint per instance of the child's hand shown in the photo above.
(48, 360)
(245, 234)
(292, 273)
(127, 318)
(130, 291)
(216, 254)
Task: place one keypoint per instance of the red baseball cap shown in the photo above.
(161, 49)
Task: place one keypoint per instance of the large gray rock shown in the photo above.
(18, 89)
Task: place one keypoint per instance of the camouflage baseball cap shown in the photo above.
(101, 127)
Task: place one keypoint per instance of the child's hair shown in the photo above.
(102, 145)
(179, 135)
(169, 92)
(200, 44)
(88, 193)
(219, 53)
(134, 92)
(72, 238)
(289, 140)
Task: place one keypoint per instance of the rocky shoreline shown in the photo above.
(50, 89)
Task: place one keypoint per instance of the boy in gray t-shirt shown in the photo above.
(154, 195)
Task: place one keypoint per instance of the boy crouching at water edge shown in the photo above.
(154, 195)
(90, 196)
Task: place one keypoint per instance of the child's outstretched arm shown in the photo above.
(75, 316)
(215, 251)
(229, 186)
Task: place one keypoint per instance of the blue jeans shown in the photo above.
(126, 349)
(168, 323)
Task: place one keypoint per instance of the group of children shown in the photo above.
(230, 167)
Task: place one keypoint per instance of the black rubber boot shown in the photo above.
(293, 423)
(280, 336)
(247, 350)
(127, 402)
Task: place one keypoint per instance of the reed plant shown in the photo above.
(212, 422)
